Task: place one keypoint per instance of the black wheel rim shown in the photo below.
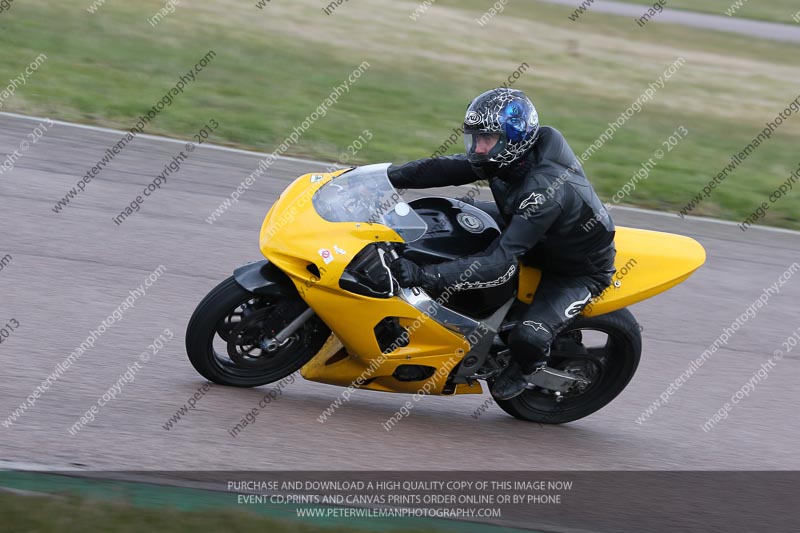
(606, 362)
(235, 317)
(236, 344)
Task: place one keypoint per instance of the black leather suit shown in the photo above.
(552, 219)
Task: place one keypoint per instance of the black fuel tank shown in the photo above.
(458, 229)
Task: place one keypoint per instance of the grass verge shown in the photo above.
(274, 66)
(69, 513)
(771, 11)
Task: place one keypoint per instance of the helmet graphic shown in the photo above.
(500, 126)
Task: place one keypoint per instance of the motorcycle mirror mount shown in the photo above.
(402, 209)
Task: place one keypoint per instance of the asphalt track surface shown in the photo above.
(69, 271)
(788, 32)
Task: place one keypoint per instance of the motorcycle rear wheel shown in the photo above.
(223, 336)
(613, 365)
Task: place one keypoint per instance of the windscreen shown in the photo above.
(365, 194)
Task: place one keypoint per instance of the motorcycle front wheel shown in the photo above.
(225, 336)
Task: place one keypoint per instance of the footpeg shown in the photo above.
(555, 380)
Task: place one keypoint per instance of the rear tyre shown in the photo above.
(223, 338)
(610, 367)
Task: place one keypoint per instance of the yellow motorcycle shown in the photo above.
(324, 301)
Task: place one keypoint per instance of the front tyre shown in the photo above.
(224, 338)
(606, 349)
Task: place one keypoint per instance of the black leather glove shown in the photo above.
(409, 274)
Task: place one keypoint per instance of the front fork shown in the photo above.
(275, 343)
(262, 277)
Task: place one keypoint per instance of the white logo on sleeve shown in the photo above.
(534, 199)
(576, 306)
(467, 285)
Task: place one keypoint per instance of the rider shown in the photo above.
(552, 220)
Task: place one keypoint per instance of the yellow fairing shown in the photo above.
(294, 237)
(647, 262)
(299, 237)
